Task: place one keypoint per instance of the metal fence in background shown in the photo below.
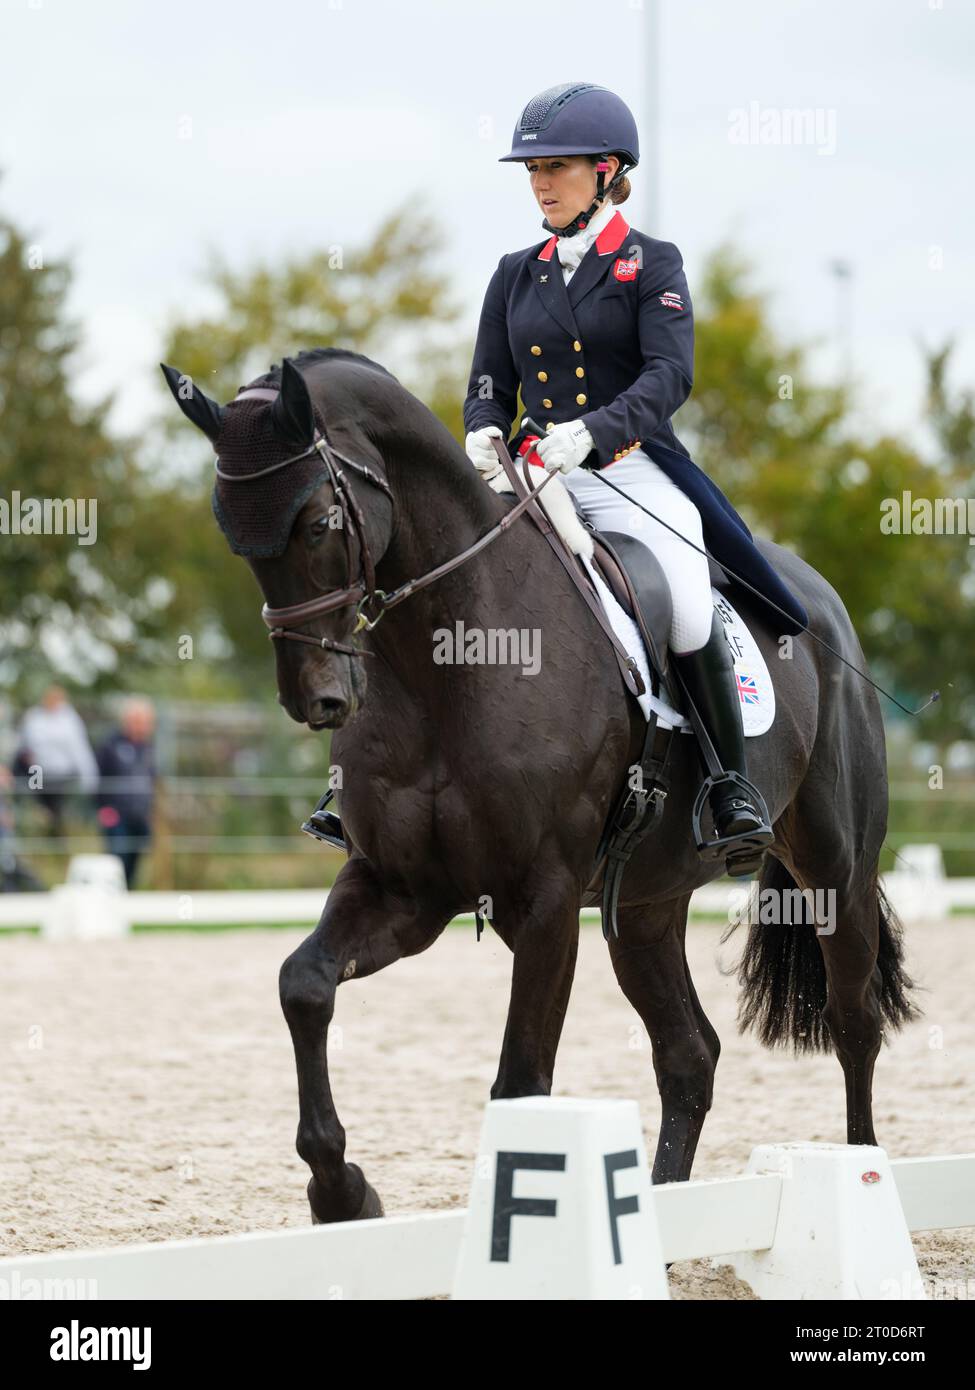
(236, 780)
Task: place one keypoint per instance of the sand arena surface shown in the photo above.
(148, 1090)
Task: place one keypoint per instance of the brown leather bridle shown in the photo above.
(370, 603)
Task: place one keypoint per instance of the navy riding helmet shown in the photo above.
(577, 118)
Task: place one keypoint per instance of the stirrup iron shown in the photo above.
(325, 825)
(744, 852)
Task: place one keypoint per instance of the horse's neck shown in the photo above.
(442, 504)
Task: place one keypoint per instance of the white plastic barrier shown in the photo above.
(303, 906)
(840, 1232)
(91, 904)
(917, 889)
(807, 1221)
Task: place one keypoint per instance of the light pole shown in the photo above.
(650, 151)
(842, 272)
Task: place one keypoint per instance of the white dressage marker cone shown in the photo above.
(561, 1205)
(841, 1231)
(92, 904)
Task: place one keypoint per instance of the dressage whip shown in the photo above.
(529, 423)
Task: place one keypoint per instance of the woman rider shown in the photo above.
(595, 327)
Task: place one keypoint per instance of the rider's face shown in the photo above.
(565, 185)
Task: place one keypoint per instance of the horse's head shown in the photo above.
(311, 522)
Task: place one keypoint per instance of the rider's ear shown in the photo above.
(292, 414)
(206, 414)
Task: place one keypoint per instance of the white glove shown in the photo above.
(564, 447)
(482, 453)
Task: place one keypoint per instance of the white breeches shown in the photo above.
(685, 569)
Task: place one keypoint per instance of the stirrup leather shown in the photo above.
(638, 811)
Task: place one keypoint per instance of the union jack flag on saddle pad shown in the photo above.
(753, 681)
(747, 689)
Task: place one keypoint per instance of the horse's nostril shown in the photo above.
(328, 710)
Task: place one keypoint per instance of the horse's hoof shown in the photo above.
(315, 1218)
(370, 1207)
(371, 1204)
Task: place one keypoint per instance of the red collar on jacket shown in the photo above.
(610, 238)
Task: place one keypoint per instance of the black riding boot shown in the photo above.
(709, 675)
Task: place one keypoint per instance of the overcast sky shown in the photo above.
(134, 135)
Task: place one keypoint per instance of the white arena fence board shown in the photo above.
(304, 905)
(396, 1257)
(190, 909)
(720, 1217)
(937, 1194)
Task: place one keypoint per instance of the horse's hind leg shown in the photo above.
(651, 966)
(834, 838)
(846, 897)
(853, 1013)
(362, 928)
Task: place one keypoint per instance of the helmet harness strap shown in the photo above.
(579, 223)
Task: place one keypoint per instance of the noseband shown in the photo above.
(370, 603)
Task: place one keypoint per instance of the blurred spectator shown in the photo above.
(53, 739)
(127, 764)
(15, 877)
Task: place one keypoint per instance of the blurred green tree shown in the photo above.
(781, 447)
(87, 614)
(386, 299)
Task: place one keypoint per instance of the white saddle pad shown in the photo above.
(755, 692)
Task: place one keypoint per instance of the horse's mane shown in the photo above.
(421, 438)
(307, 357)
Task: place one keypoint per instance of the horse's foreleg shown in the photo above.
(544, 941)
(650, 964)
(362, 929)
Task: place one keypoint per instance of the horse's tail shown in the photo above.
(783, 977)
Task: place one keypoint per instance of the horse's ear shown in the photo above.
(207, 415)
(292, 414)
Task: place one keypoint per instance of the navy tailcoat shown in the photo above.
(614, 348)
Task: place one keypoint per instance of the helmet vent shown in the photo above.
(544, 107)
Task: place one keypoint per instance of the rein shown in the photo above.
(370, 602)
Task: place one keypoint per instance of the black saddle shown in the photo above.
(636, 579)
(637, 582)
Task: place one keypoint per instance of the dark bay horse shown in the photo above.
(470, 782)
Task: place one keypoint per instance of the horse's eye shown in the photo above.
(320, 525)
